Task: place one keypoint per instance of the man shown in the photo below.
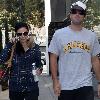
(77, 49)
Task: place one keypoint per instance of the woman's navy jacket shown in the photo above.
(21, 78)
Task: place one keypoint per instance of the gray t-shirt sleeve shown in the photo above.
(54, 45)
(96, 47)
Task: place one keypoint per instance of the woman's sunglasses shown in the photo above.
(20, 34)
(80, 12)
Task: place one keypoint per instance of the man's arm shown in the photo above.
(96, 68)
(54, 68)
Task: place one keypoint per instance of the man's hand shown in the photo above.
(98, 90)
(56, 87)
(96, 68)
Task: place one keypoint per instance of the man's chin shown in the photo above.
(77, 23)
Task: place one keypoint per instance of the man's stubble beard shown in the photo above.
(77, 22)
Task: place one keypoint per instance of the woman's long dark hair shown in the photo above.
(19, 47)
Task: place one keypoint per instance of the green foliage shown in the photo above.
(12, 11)
(1, 66)
(0, 40)
(35, 13)
(31, 11)
(93, 14)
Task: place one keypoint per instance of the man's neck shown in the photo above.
(76, 27)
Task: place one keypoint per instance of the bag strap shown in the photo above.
(9, 62)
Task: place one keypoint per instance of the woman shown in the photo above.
(22, 85)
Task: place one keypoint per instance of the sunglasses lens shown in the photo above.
(74, 11)
(81, 13)
(19, 34)
(24, 33)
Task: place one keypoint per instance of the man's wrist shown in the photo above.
(98, 82)
(55, 79)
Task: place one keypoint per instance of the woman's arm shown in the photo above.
(5, 53)
(38, 56)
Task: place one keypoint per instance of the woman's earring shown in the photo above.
(18, 39)
(28, 37)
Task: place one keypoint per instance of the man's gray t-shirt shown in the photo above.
(75, 50)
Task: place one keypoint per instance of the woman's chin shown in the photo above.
(23, 41)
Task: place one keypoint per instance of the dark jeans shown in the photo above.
(83, 93)
(33, 95)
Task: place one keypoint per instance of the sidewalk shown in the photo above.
(46, 91)
(45, 86)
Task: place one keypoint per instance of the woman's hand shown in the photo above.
(14, 39)
(39, 71)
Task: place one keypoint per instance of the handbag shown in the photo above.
(4, 74)
(5, 68)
